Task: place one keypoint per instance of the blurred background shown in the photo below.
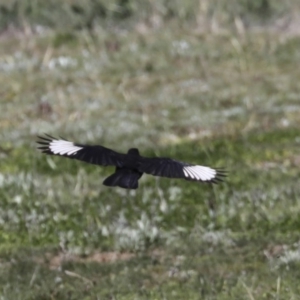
(204, 81)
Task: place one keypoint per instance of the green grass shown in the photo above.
(217, 85)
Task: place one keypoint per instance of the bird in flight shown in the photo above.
(131, 166)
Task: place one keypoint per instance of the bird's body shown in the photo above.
(131, 166)
(128, 175)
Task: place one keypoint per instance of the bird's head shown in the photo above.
(133, 151)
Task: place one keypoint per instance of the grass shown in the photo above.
(217, 87)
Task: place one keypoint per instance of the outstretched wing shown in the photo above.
(167, 167)
(97, 155)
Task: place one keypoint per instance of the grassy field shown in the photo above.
(202, 82)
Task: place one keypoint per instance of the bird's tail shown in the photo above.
(127, 179)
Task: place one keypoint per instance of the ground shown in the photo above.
(217, 86)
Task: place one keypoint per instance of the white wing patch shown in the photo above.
(62, 147)
(199, 173)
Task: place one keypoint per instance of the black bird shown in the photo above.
(131, 166)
